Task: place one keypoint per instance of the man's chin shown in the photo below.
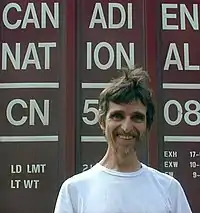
(125, 149)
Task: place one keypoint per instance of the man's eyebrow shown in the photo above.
(133, 113)
(117, 111)
(139, 113)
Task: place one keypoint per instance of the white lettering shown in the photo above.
(170, 154)
(187, 59)
(130, 16)
(30, 16)
(14, 184)
(98, 12)
(166, 16)
(35, 168)
(33, 109)
(6, 52)
(9, 112)
(43, 117)
(185, 13)
(101, 20)
(30, 10)
(173, 51)
(170, 173)
(170, 164)
(87, 166)
(29, 184)
(110, 58)
(121, 52)
(31, 51)
(53, 18)
(5, 16)
(173, 58)
(192, 107)
(117, 53)
(15, 169)
(111, 24)
(179, 111)
(47, 47)
(89, 55)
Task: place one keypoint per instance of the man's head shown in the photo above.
(126, 107)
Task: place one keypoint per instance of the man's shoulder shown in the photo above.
(160, 177)
(82, 177)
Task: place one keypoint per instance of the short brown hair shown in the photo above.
(132, 85)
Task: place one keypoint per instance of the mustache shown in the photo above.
(135, 133)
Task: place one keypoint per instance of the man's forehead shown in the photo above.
(134, 106)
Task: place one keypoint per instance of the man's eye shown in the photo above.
(139, 117)
(117, 116)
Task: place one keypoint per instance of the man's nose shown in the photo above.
(127, 125)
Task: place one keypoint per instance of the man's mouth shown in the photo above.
(126, 137)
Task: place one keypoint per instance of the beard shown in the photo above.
(126, 149)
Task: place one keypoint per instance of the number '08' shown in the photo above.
(192, 108)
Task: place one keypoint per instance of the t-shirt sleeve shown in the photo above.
(63, 203)
(178, 199)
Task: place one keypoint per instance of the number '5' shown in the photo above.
(88, 109)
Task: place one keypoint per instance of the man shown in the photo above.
(120, 183)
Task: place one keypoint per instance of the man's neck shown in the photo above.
(115, 161)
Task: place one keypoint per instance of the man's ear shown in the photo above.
(102, 122)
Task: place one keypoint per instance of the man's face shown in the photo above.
(124, 126)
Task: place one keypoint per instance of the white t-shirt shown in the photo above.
(101, 190)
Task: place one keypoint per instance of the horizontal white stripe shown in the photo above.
(95, 85)
(93, 139)
(180, 86)
(28, 138)
(165, 86)
(166, 139)
(29, 85)
(182, 138)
